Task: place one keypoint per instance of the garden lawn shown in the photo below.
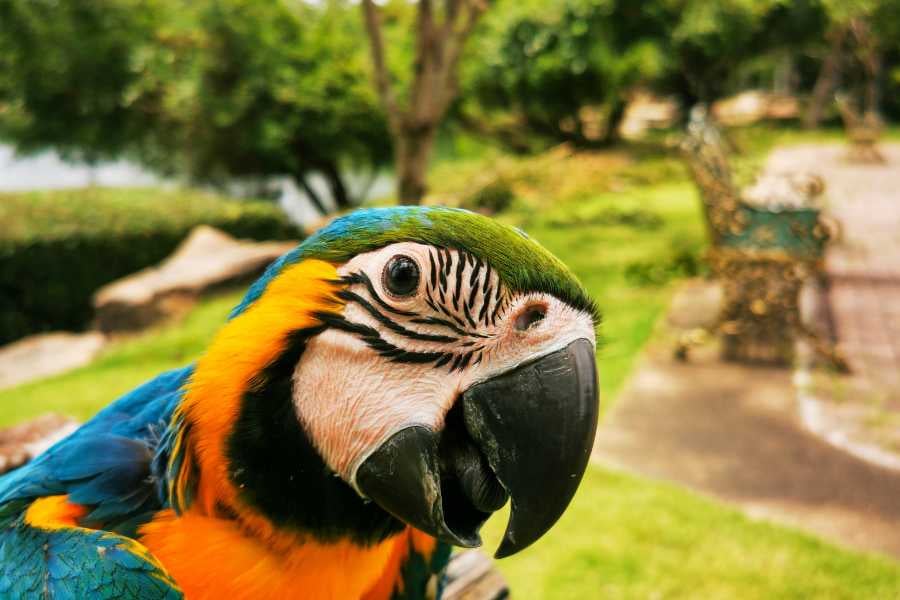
(623, 537)
(121, 366)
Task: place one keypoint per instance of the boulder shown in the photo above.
(206, 260)
(21, 443)
(646, 111)
(47, 354)
(754, 106)
(472, 576)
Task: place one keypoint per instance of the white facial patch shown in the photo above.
(393, 362)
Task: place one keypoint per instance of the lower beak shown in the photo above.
(526, 434)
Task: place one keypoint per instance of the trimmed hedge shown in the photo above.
(58, 247)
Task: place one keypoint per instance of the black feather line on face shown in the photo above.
(360, 277)
(497, 307)
(468, 315)
(433, 281)
(443, 323)
(470, 302)
(373, 339)
(447, 261)
(278, 472)
(349, 296)
(485, 306)
(460, 265)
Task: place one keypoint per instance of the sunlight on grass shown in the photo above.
(626, 537)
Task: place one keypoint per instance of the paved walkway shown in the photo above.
(742, 433)
(732, 432)
(865, 267)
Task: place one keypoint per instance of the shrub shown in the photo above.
(57, 248)
(494, 197)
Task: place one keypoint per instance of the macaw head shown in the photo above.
(423, 366)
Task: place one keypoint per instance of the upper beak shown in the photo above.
(526, 434)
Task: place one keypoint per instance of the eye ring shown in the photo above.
(400, 276)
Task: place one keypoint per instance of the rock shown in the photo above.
(21, 443)
(471, 576)
(47, 354)
(647, 111)
(205, 260)
(754, 106)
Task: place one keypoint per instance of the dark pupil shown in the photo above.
(402, 276)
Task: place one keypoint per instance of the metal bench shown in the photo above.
(764, 247)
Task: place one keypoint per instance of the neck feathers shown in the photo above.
(238, 448)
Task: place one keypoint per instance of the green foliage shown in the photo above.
(495, 196)
(57, 248)
(214, 89)
(550, 64)
(64, 69)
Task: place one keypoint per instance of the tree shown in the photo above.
(213, 89)
(64, 67)
(860, 34)
(562, 71)
(441, 34)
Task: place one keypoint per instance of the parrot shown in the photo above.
(379, 392)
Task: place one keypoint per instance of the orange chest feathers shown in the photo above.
(213, 558)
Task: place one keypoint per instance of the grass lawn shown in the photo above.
(624, 228)
(122, 366)
(628, 537)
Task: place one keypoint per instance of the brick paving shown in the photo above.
(864, 267)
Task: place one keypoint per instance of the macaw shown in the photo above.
(377, 394)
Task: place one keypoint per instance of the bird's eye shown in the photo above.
(401, 276)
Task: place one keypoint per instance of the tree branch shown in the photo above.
(455, 45)
(382, 77)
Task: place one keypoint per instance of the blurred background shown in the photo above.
(723, 176)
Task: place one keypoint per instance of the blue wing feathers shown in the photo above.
(109, 458)
(106, 465)
(77, 563)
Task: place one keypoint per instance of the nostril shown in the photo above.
(530, 316)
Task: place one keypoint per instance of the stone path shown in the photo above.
(864, 268)
(741, 433)
(47, 354)
(732, 432)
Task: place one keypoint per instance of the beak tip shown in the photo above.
(507, 548)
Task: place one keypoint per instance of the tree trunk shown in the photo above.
(439, 45)
(311, 194)
(413, 151)
(339, 193)
(613, 121)
(827, 80)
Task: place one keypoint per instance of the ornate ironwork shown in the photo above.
(765, 245)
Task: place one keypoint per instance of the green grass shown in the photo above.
(122, 366)
(622, 537)
(626, 537)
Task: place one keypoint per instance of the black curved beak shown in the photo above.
(526, 434)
